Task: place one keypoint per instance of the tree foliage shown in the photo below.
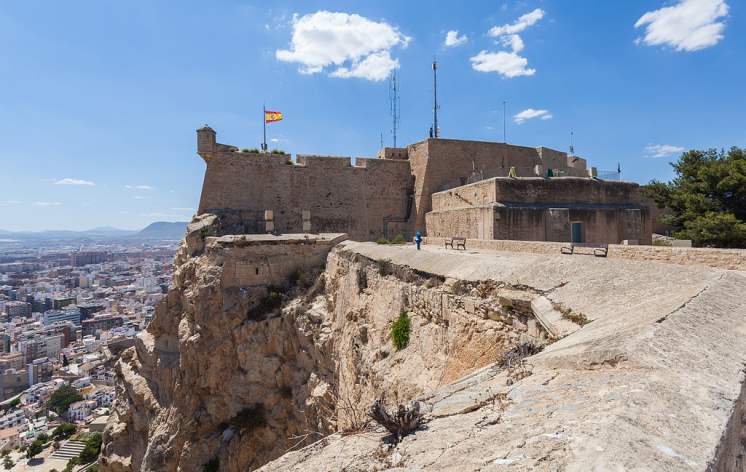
(62, 398)
(91, 450)
(64, 430)
(34, 449)
(707, 198)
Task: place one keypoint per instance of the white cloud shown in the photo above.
(138, 197)
(69, 181)
(508, 64)
(662, 150)
(530, 113)
(376, 66)
(453, 39)
(357, 46)
(513, 41)
(47, 204)
(689, 25)
(138, 187)
(9, 202)
(519, 25)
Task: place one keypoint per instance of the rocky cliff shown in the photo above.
(267, 344)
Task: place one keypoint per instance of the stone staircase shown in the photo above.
(68, 450)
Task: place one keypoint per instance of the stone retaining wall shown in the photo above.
(733, 259)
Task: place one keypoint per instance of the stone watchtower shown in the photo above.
(206, 144)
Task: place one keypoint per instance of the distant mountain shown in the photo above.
(159, 230)
(162, 230)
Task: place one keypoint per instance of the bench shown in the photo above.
(458, 241)
(599, 250)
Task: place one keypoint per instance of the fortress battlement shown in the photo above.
(391, 194)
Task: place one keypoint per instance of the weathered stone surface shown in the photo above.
(315, 366)
(653, 383)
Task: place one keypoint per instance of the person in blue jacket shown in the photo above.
(418, 239)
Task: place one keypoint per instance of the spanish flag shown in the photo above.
(272, 116)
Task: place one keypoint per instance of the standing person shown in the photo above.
(418, 239)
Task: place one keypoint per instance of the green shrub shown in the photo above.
(399, 239)
(64, 430)
(400, 330)
(278, 151)
(362, 280)
(34, 449)
(385, 267)
(254, 150)
(91, 450)
(382, 241)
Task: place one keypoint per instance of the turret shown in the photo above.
(206, 145)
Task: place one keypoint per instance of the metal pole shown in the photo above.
(505, 139)
(264, 123)
(436, 133)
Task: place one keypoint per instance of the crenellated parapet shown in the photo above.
(368, 197)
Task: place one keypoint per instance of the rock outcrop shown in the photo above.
(265, 344)
(268, 352)
(654, 382)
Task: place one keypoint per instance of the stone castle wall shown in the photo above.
(358, 200)
(391, 194)
(441, 164)
(538, 209)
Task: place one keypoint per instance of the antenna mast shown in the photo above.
(394, 103)
(436, 131)
(572, 145)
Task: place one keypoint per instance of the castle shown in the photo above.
(441, 187)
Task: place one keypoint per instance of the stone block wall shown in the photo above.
(340, 197)
(441, 164)
(260, 261)
(732, 259)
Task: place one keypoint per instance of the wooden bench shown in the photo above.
(599, 250)
(458, 241)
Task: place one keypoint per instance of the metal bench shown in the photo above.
(458, 241)
(599, 250)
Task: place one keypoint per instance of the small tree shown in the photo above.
(8, 463)
(64, 430)
(707, 198)
(62, 398)
(91, 450)
(34, 449)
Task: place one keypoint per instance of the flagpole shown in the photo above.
(264, 123)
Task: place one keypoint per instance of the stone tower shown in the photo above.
(206, 144)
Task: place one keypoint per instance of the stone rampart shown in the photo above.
(732, 259)
(359, 200)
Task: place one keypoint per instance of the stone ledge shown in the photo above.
(731, 259)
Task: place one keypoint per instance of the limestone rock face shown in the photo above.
(238, 369)
(653, 382)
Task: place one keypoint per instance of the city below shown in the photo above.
(70, 303)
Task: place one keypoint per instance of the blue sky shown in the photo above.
(100, 100)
